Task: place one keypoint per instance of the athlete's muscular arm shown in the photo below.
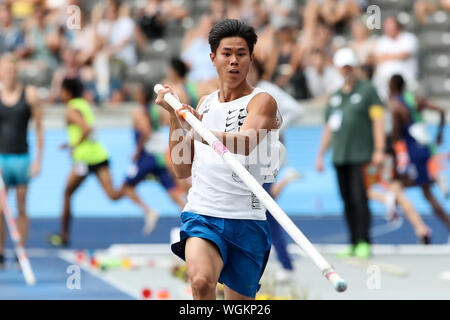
(75, 117)
(323, 147)
(36, 111)
(261, 117)
(425, 104)
(142, 124)
(182, 163)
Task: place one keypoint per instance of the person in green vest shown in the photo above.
(409, 131)
(355, 130)
(88, 155)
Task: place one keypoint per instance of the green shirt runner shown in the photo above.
(89, 151)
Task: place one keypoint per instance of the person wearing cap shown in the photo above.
(355, 131)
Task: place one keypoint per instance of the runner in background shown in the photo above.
(18, 104)
(416, 154)
(88, 155)
(149, 157)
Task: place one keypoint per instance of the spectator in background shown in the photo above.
(117, 52)
(152, 20)
(322, 77)
(44, 42)
(265, 45)
(281, 12)
(285, 63)
(320, 39)
(334, 13)
(84, 40)
(363, 44)
(72, 68)
(239, 9)
(423, 8)
(395, 53)
(195, 52)
(12, 39)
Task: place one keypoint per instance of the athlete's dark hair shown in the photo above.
(232, 28)
(397, 82)
(179, 66)
(74, 86)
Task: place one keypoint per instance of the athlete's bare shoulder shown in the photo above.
(264, 103)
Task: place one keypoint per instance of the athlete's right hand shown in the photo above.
(160, 98)
(319, 164)
(63, 146)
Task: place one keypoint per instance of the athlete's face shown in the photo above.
(232, 60)
(9, 72)
(65, 95)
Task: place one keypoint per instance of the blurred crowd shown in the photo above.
(297, 39)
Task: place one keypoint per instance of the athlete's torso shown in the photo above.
(216, 190)
(14, 125)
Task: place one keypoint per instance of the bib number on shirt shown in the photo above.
(335, 120)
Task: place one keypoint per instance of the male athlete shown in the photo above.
(225, 236)
(18, 103)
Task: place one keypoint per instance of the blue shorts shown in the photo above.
(15, 169)
(148, 164)
(244, 246)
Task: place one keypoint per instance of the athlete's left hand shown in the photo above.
(378, 158)
(35, 169)
(187, 108)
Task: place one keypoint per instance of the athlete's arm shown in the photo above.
(142, 124)
(261, 117)
(379, 139)
(36, 112)
(181, 145)
(74, 116)
(425, 104)
(324, 144)
(397, 120)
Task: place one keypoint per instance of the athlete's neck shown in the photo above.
(227, 94)
(10, 87)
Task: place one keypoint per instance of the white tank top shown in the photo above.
(216, 190)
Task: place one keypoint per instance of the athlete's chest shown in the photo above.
(225, 118)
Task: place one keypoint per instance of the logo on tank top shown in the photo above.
(235, 119)
(256, 204)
